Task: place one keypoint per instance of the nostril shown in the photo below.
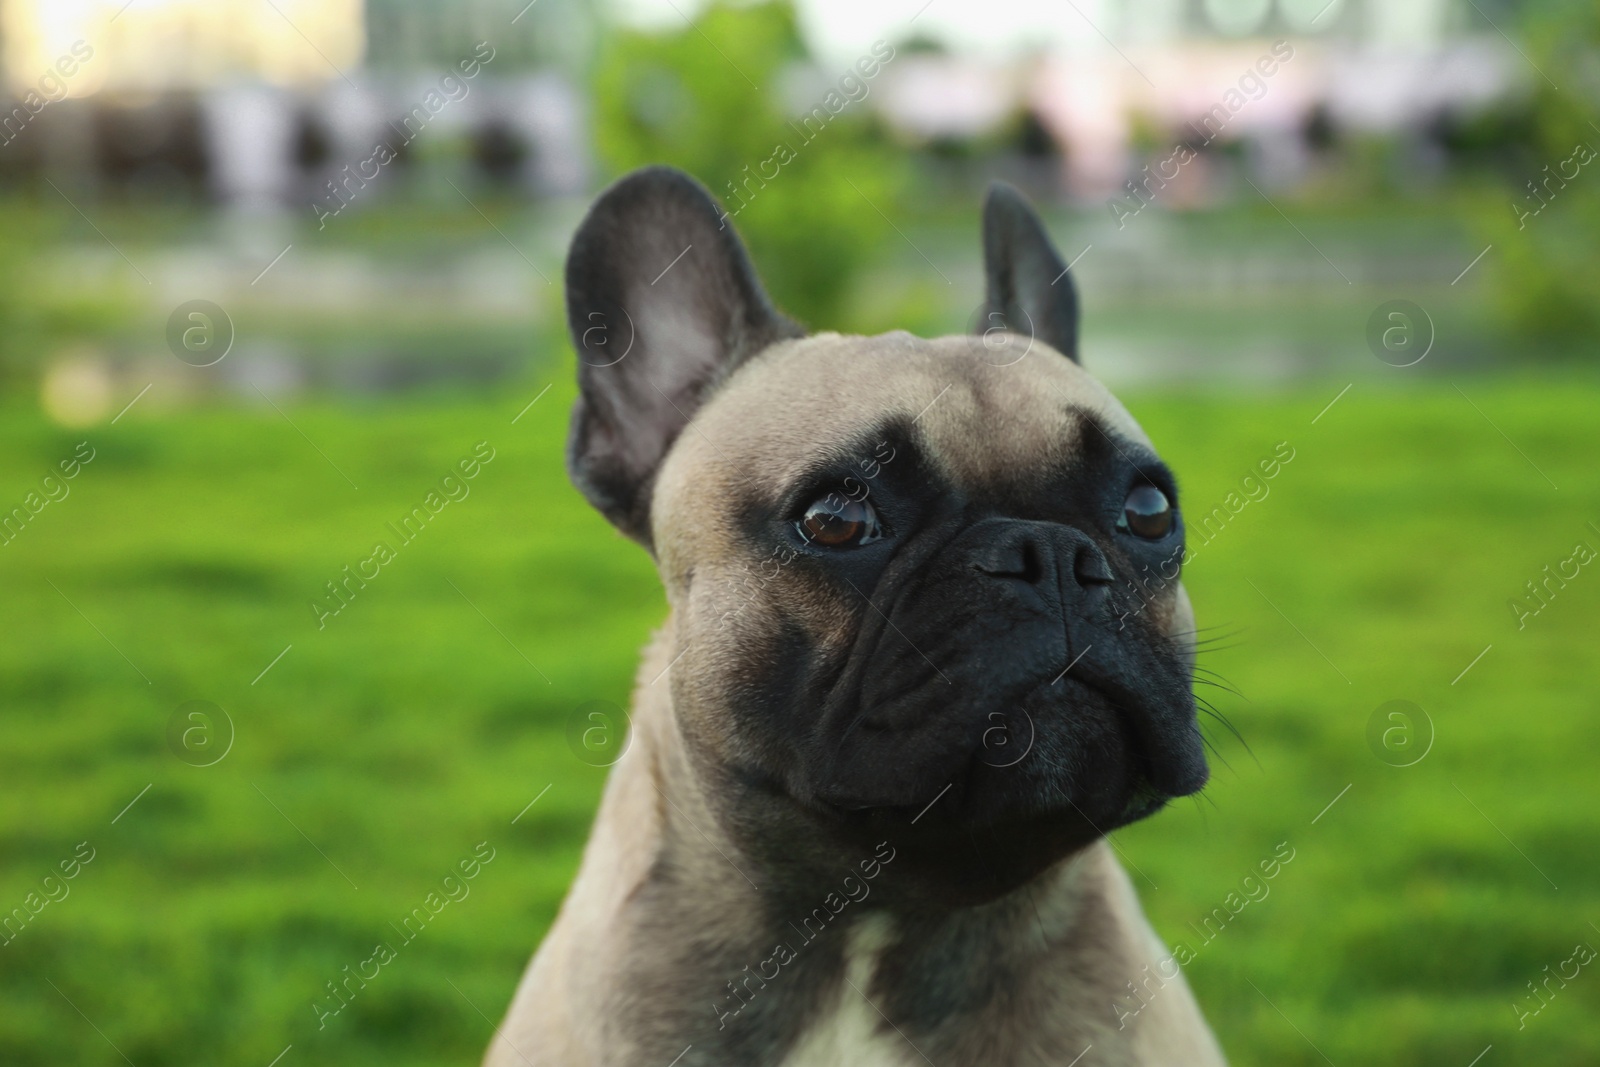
(1032, 566)
(1089, 566)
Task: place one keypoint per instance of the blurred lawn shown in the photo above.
(412, 728)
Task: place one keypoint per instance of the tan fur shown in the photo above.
(626, 934)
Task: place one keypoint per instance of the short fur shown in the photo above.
(807, 715)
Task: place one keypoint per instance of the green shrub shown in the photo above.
(711, 99)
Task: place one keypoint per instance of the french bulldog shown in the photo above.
(926, 647)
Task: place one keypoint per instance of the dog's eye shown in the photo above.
(835, 521)
(1147, 513)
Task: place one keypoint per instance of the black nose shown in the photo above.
(1043, 554)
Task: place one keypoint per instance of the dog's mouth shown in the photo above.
(1143, 802)
(1165, 757)
(1069, 751)
(1084, 758)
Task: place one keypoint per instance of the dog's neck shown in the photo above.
(668, 910)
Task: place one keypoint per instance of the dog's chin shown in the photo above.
(992, 825)
(950, 862)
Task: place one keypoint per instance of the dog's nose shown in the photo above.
(1042, 554)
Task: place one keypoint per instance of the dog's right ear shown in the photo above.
(662, 303)
(1029, 287)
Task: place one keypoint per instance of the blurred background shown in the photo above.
(270, 270)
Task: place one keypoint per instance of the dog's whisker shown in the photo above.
(1225, 686)
(1215, 751)
(1210, 711)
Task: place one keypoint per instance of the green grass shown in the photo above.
(378, 752)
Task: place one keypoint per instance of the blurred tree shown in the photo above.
(1545, 276)
(21, 323)
(37, 318)
(724, 99)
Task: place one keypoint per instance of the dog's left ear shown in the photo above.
(1028, 286)
(662, 304)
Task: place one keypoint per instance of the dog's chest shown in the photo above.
(851, 1032)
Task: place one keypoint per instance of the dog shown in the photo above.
(926, 647)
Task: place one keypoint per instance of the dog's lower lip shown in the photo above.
(857, 808)
(1146, 800)
(1143, 755)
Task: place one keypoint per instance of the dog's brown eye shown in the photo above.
(1147, 513)
(835, 521)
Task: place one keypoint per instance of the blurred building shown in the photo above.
(293, 103)
(1205, 79)
(263, 105)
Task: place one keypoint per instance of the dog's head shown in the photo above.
(921, 590)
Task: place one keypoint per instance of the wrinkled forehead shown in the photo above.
(984, 419)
